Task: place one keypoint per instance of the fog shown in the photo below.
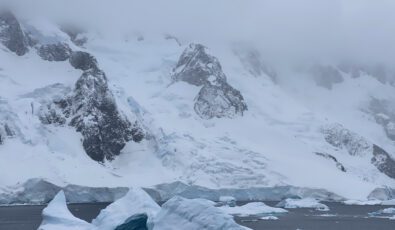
(361, 30)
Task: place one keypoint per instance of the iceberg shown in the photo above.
(303, 203)
(193, 214)
(56, 216)
(136, 201)
(254, 208)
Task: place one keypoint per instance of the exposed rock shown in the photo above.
(357, 145)
(385, 193)
(219, 101)
(96, 116)
(11, 34)
(83, 61)
(384, 113)
(326, 76)
(342, 138)
(216, 97)
(383, 161)
(328, 156)
(135, 222)
(197, 67)
(8, 122)
(54, 52)
(92, 110)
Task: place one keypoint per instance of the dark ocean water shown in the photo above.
(340, 217)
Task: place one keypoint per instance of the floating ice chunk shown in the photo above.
(388, 211)
(362, 202)
(369, 202)
(227, 200)
(254, 208)
(136, 201)
(193, 214)
(303, 203)
(269, 218)
(56, 216)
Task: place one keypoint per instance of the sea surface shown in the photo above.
(340, 217)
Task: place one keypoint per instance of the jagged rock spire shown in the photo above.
(216, 98)
(11, 34)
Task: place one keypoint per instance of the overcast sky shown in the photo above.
(362, 29)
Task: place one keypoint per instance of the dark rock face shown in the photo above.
(383, 161)
(219, 101)
(11, 34)
(216, 98)
(97, 117)
(340, 137)
(326, 76)
(356, 145)
(83, 61)
(54, 52)
(135, 222)
(330, 157)
(384, 114)
(196, 66)
(92, 110)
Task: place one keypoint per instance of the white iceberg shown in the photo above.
(56, 216)
(303, 203)
(193, 214)
(269, 218)
(136, 201)
(369, 202)
(362, 202)
(254, 208)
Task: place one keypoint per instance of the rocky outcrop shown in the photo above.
(83, 61)
(197, 67)
(92, 110)
(326, 76)
(219, 101)
(330, 157)
(356, 145)
(384, 114)
(216, 97)
(11, 34)
(8, 122)
(54, 52)
(342, 138)
(383, 161)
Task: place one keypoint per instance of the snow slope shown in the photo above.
(274, 143)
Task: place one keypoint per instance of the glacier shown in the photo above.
(264, 138)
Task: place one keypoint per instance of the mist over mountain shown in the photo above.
(223, 94)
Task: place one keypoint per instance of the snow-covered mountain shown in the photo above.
(78, 107)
